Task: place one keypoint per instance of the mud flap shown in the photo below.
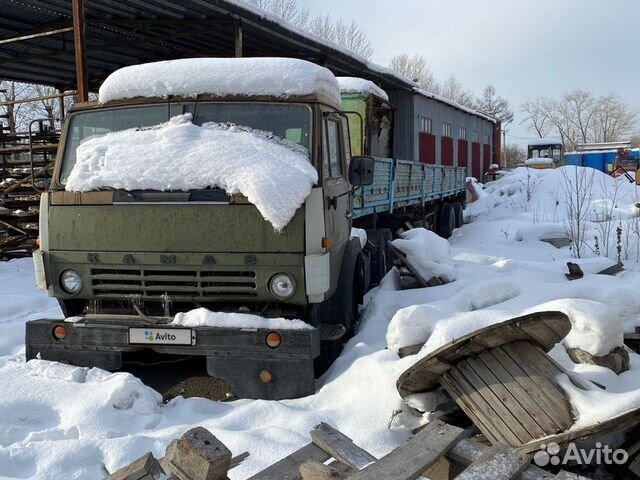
(269, 379)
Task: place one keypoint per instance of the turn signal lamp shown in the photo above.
(273, 339)
(59, 332)
(265, 376)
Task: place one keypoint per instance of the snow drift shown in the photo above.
(274, 174)
(189, 77)
(428, 253)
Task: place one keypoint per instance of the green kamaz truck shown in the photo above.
(125, 262)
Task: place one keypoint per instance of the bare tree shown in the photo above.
(613, 119)
(580, 117)
(351, 36)
(17, 115)
(494, 105)
(536, 116)
(415, 68)
(347, 35)
(514, 154)
(455, 91)
(577, 187)
(288, 10)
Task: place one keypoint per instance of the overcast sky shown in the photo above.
(525, 48)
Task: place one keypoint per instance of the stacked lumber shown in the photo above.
(19, 189)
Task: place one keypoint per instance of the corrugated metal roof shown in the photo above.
(128, 32)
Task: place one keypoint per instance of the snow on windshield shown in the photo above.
(274, 174)
(189, 77)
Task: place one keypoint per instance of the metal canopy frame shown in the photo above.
(37, 39)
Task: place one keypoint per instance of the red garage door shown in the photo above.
(427, 148)
(463, 153)
(446, 144)
(476, 163)
(486, 158)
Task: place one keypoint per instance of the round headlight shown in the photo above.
(71, 282)
(282, 286)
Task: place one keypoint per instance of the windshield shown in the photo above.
(288, 121)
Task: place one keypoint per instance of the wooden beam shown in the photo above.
(79, 49)
(237, 28)
(408, 461)
(35, 35)
(341, 447)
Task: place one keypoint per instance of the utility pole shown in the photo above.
(78, 46)
(504, 144)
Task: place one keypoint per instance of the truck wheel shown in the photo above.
(459, 215)
(382, 259)
(447, 220)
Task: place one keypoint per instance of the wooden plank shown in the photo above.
(410, 350)
(559, 416)
(498, 462)
(615, 424)
(476, 407)
(408, 461)
(496, 403)
(312, 470)
(144, 468)
(520, 353)
(341, 447)
(467, 451)
(510, 402)
(289, 467)
(545, 422)
(577, 379)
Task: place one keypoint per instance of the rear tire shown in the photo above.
(382, 258)
(459, 214)
(447, 220)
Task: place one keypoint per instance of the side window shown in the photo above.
(333, 148)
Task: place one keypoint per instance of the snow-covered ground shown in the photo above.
(59, 421)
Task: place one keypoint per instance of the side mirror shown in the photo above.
(361, 171)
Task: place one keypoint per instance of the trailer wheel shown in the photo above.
(382, 259)
(447, 220)
(459, 215)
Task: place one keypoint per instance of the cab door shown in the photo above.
(338, 201)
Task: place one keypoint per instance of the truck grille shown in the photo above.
(179, 285)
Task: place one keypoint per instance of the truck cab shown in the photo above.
(124, 262)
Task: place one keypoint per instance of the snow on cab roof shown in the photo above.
(360, 85)
(545, 141)
(189, 77)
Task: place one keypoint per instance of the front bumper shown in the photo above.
(239, 356)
